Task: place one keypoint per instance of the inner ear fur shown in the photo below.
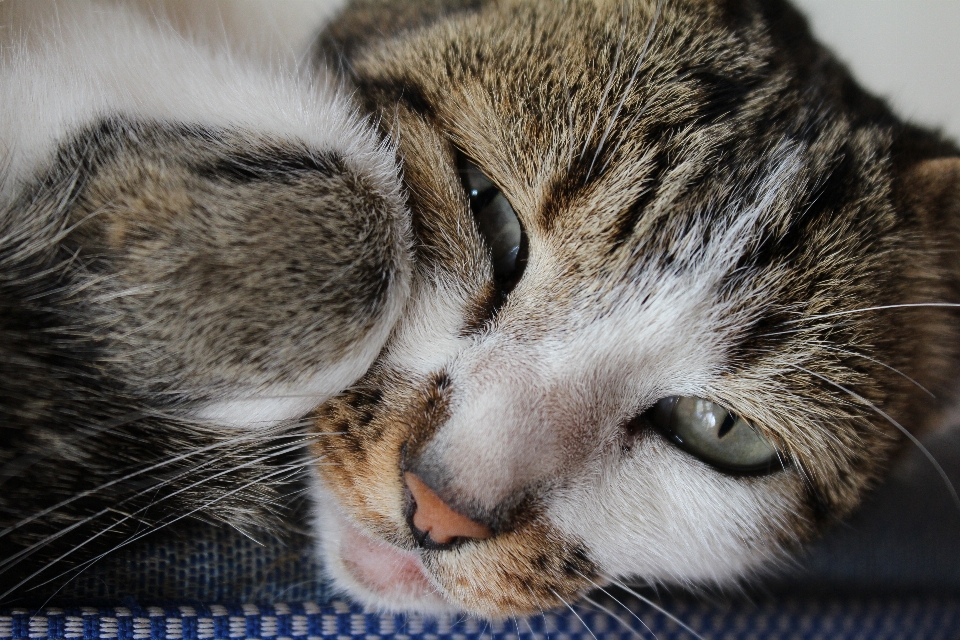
(932, 189)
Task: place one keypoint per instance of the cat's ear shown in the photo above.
(365, 21)
(932, 189)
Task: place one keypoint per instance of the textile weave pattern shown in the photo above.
(202, 564)
(801, 619)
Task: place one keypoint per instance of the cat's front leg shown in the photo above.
(167, 289)
(194, 252)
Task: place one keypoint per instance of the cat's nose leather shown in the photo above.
(433, 521)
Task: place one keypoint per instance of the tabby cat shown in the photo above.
(658, 294)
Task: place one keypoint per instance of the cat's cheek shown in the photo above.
(682, 521)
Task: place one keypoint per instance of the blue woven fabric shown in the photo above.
(913, 619)
(206, 564)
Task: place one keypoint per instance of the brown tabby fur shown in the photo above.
(618, 170)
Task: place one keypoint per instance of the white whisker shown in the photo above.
(574, 612)
(609, 595)
(819, 327)
(901, 428)
(613, 615)
(26, 552)
(916, 305)
(86, 564)
(543, 614)
(533, 634)
(81, 434)
(153, 467)
(653, 604)
(882, 364)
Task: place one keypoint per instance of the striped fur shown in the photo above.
(197, 246)
(710, 201)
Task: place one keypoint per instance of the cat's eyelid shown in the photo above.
(473, 176)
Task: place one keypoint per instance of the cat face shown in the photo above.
(705, 202)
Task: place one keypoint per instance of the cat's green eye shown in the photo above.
(714, 434)
(497, 223)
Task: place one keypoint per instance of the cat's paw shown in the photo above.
(231, 238)
(244, 276)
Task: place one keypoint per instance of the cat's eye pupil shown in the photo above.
(714, 434)
(500, 228)
(727, 425)
(497, 223)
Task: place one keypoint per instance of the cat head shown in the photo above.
(635, 347)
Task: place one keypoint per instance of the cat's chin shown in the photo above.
(374, 573)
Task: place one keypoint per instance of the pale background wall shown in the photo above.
(905, 50)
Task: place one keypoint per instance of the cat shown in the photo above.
(656, 292)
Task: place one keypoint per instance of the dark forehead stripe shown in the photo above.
(584, 169)
(824, 248)
(786, 243)
(679, 192)
(382, 92)
(626, 221)
(737, 152)
(706, 93)
(721, 94)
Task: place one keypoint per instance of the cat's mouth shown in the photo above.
(391, 542)
(385, 576)
(383, 568)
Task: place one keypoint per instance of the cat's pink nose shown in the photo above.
(433, 518)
